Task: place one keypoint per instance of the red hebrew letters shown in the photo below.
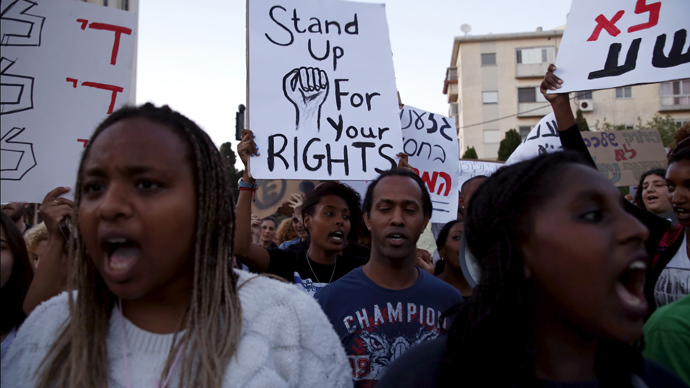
(609, 26)
(118, 30)
(653, 9)
(112, 88)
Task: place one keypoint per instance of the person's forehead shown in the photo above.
(397, 187)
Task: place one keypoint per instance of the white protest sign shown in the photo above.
(471, 168)
(542, 139)
(623, 42)
(65, 66)
(322, 97)
(431, 142)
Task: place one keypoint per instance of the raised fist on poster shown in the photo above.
(306, 88)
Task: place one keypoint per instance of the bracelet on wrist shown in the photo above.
(247, 186)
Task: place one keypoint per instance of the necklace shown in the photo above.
(317, 278)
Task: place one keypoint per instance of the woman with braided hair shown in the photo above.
(560, 301)
(157, 301)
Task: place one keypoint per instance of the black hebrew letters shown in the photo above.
(675, 56)
(611, 68)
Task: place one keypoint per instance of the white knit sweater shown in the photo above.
(286, 341)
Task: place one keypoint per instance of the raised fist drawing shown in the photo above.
(306, 88)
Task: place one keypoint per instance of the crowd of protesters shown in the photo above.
(153, 276)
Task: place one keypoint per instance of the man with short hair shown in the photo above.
(388, 305)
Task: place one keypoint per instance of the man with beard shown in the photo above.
(388, 305)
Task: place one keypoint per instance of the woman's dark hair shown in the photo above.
(14, 291)
(680, 150)
(495, 330)
(272, 219)
(638, 194)
(427, 207)
(350, 196)
(443, 234)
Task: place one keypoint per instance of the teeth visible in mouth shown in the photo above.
(638, 265)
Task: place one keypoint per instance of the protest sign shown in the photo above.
(322, 95)
(543, 138)
(431, 142)
(271, 194)
(623, 156)
(471, 168)
(622, 42)
(65, 66)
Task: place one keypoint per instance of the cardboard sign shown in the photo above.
(65, 66)
(623, 156)
(615, 43)
(272, 194)
(542, 139)
(322, 95)
(431, 142)
(471, 168)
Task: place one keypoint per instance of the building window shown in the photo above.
(452, 74)
(624, 92)
(586, 95)
(490, 97)
(489, 59)
(536, 55)
(530, 94)
(675, 92)
(454, 109)
(524, 131)
(492, 136)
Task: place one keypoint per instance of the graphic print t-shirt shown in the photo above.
(674, 281)
(376, 325)
(293, 267)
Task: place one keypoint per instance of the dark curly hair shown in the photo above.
(349, 195)
(638, 194)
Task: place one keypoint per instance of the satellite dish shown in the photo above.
(466, 28)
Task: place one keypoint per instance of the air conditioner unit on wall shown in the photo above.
(585, 105)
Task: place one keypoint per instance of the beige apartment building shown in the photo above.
(493, 81)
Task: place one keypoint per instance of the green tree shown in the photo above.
(470, 153)
(230, 158)
(509, 144)
(606, 126)
(665, 125)
(581, 121)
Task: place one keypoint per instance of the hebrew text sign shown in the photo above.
(615, 43)
(65, 66)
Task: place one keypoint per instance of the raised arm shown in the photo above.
(560, 103)
(571, 138)
(254, 256)
(51, 274)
